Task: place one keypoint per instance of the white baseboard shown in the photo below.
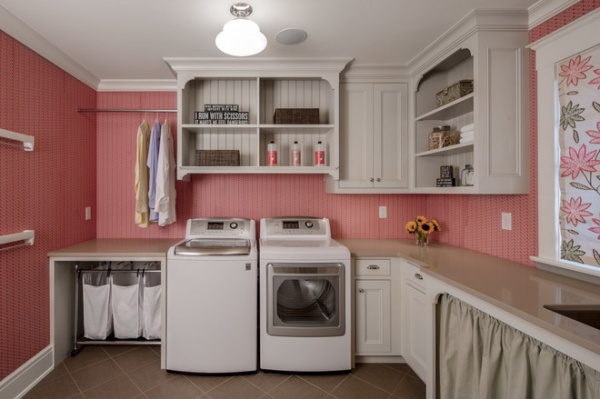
(379, 359)
(20, 381)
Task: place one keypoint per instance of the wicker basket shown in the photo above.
(217, 158)
(297, 116)
(454, 92)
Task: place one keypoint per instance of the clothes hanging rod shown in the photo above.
(110, 271)
(27, 141)
(124, 110)
(26, 236)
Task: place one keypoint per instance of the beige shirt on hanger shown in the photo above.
(142, 175)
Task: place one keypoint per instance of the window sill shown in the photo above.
(569, 269)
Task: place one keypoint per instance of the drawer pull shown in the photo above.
(373, 267)
(361, 290)
(418, 276)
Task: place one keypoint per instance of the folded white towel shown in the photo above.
(466, 128)
(466, 140)
(470, 134)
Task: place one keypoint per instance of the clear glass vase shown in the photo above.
(422, 240)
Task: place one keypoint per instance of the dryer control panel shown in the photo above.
(295, 227)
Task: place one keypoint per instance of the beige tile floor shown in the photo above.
(119, 372)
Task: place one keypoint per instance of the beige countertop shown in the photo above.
(518, 289)
(117, 247)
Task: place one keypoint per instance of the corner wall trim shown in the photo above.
(23, 379)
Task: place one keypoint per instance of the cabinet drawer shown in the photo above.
(414, 276)
(372, 267)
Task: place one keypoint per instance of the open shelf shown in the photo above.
(450, 150)
(258, 89)
(452, 110)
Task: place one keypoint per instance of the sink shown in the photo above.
(586, 314)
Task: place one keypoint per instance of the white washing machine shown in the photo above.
(305, 297)
(211, 297)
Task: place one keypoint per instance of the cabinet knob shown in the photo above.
(378, 179)
(371, 180)
(361, 290)
(418, 276)
(373, 267)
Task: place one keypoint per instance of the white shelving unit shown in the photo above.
(487, 47)
(258, 86)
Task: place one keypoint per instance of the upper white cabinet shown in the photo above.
(258, 87)
(373, 138)
(487, 47)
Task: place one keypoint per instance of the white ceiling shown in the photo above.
(128, 39)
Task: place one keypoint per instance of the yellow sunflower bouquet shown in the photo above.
(422, 228)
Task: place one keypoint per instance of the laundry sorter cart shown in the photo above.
(66, 327)
(117, 303)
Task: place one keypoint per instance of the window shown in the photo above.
(569, 229)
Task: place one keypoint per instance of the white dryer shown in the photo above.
(305, 297)
(211, 296)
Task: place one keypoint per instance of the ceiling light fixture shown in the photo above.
(241, 37)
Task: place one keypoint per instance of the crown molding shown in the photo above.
(495, 20)
(137, 85)
(375, 73)
(543, 10)
(18, 30)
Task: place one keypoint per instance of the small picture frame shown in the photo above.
(446, 171)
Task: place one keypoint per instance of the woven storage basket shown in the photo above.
(217, 158)
(297, 116)
(454, 92)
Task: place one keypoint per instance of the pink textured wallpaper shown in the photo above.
(45, 190)
(249, 196)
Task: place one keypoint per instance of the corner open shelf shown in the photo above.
(489, 49)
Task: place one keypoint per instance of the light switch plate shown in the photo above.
(506, 221)
(383, 212)
(88, 212)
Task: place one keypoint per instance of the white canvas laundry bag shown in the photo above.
(97, 313)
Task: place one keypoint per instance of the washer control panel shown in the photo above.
(220, 227)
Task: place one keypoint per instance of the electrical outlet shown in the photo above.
(506, 221)
(88, 212)
(383, 212)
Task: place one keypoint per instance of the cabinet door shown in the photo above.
(390, 135)
(356, 135)
(373, 316)
(415, 351)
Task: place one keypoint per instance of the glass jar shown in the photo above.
(435, 138)
(449, 136)
(467, 176)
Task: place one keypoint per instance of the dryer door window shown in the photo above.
(306, 299)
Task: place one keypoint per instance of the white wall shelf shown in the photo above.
(27, 141)
(451, 149)
(259, 87)
(452, 110)
(23, 239)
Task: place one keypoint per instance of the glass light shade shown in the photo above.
(241, 37)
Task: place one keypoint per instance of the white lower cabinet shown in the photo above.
(377, 308)
(415, 322)
(373, 331)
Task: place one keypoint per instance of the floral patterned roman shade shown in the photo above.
(579, 172)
